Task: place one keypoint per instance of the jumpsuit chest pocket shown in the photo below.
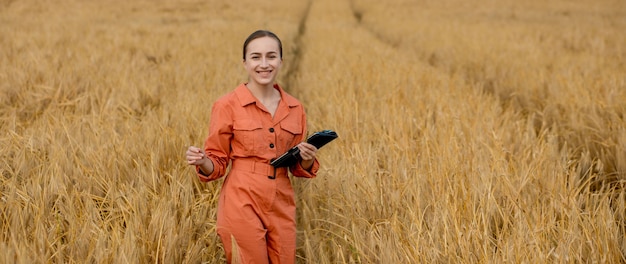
(246, 134)
(291, 128)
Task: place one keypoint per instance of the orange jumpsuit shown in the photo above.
(254, 210)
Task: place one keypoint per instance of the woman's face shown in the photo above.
(262, 61)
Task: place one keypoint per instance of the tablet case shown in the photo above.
(318, 139)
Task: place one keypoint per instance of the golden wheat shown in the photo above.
(470, 132)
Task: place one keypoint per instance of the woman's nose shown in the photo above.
(264, 62)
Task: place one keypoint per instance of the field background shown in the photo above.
(470, 131)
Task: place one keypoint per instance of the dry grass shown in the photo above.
(489, 132)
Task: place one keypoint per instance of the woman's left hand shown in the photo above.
(307, 151)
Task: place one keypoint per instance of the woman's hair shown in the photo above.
(259, 34)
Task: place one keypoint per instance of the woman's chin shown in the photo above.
(264, 81)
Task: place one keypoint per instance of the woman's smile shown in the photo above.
(263, 61)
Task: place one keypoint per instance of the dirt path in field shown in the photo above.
(291, 73)
(333, 46)
(335, 26)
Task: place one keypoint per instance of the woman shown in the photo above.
(249, 127)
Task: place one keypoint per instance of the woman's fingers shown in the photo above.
(307, 151)
(194, 154)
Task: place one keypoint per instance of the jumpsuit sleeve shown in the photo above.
(217, 144)
(297, 169)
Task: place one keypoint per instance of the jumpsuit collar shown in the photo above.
(246, 97)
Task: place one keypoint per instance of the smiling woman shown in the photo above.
(264, 53)
(254, 124)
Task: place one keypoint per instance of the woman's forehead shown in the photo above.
(263, 45)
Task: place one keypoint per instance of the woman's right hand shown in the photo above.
(195, 156)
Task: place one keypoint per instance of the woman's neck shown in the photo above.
(261, 92)
(267, 96)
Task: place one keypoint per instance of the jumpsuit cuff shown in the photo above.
(208, 177)
(203, 177)
(298, 171)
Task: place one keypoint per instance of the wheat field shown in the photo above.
(470, 131)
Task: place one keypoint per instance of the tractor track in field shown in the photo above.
(358, 16)
(292, 72)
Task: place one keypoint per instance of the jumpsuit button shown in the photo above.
(271, 145)
(271, 130)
